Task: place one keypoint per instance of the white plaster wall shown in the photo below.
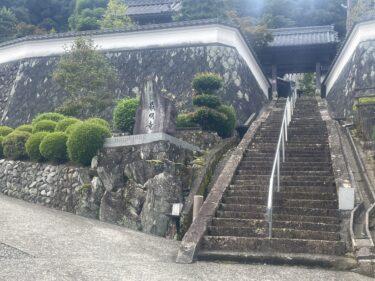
(189, 35)
(362, 32)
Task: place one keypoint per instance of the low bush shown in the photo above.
(207, 83)
(85, 141)
(65, 123)
(1, 147)
(70, 128)
(98, 121)
(14, 145)
(209, 119)
(52, 116)
(32, 146)
(210, 101)
(25, 128)
(184, 120)
(230, 124)
(53, 147)
(44, 126)
(124, 114)
(5, 130)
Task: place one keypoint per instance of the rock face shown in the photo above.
(156, 113)
(357, 76)
(145, 182)
(132, 186)
(27, 87)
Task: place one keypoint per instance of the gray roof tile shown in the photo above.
(147, 7)
(301, 36)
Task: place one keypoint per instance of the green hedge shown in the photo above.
(25, 128)
(124, 114)
(210, 101)
(53, 147)
(85, 141)
(1, 147)
(63, 124)
(230, 124)
(5, 130)
(52, 116)
(32, 146)
(14, 145)
(207, 83)
(44, 126)
(209, 119)
(72, 127)
(184, 120)
(98, 121)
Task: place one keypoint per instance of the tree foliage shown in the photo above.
(8, 23)
(87, 14)
(116, 15)
(87, 76)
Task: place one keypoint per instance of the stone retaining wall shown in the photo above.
(57, 187)
(27, 87)
(357, 79)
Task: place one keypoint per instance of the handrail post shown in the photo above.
(283, 142)
(278, 173)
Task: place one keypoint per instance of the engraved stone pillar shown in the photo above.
(156, 113)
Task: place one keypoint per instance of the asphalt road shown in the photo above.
(37, 243)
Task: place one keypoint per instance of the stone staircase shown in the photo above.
(306, 216)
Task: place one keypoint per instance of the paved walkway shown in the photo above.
(37, 243)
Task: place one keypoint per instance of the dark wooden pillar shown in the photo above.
(318, 85)
(274, 81)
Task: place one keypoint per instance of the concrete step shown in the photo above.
(261, 223)
(284, 172)
(282, 195)
(244, 244)
(233, 215)
(276, 233)
(282, 202)
(261, 162)
(264, 187)
(302, 211)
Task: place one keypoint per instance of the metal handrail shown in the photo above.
(280, 149)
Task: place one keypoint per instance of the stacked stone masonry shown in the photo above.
(357, 79)
(27, 87)
(132, 186)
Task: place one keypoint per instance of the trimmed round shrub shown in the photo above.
(5, 130)
(44, 126)
(85, 141)
(25, 128)
(65, 123)
(52, 116)
(184, 120)
(228, 127)
(124, 114)
(70, 129)
(98, 121)
(32, 146)
(14, 145)
(207, 83)
(53, 147)
(210, 101)
(209, 119)
(1, 147)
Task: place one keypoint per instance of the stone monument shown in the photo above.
(156, 113)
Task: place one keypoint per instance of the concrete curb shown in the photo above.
(192, 239)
